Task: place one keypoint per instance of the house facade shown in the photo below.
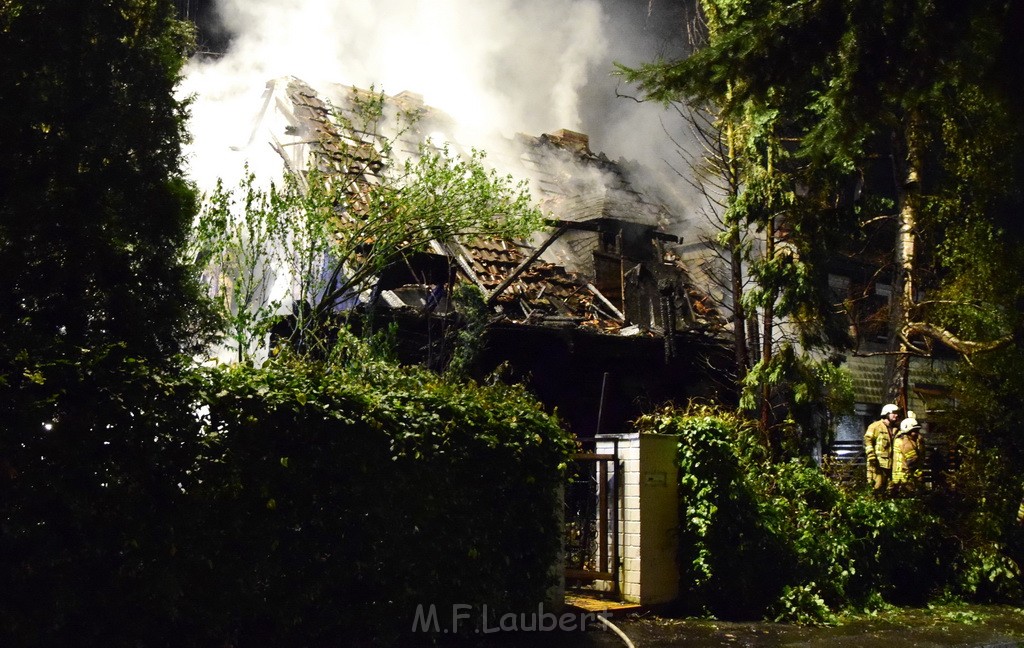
(596, 311)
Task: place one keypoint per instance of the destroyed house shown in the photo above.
(596, 312)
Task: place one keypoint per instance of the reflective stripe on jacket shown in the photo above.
(906, 455)
(878, 444)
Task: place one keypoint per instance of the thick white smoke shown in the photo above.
(495, 66)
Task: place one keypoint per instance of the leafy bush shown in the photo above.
(301, 503)
(336, 498)
(94, 453)
(798, 503)
(802, 604)
(985, 490)
(902, 550)
(780, 540)
(728, 557)
(988, 573)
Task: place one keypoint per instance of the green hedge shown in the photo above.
(334, 501)
(309, 504)
(94, 452)
(781, 541)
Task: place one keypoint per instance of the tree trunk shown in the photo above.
(739, 316)
(907, 170)
(766, 340)
(754, 338)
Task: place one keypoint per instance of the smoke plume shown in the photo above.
(495, 66)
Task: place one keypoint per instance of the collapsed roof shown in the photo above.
(606, 263)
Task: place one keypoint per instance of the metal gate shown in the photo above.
(592, 504)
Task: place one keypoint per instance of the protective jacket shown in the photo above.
(906, 458)
(878, 444)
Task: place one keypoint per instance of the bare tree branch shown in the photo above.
(964, 347)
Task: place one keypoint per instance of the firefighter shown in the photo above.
(878, 447)
(907, 456)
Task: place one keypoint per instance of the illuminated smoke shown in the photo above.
(501, 66)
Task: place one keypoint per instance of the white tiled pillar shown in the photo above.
(659, 519)
(648, 516)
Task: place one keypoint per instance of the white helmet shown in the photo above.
(909, 424)
(889, 409)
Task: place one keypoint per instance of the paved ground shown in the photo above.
(917, 629)
(969, 626)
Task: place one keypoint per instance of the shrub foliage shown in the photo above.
(300, 503)
(781, 541)
(334, 499)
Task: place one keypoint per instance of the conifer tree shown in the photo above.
(93, 205)
(96, 305)
(917, 83)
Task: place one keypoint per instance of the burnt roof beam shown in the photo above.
(607, 304)
(500, 288)
(605, 224)
(454, 250)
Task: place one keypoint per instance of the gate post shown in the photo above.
(649, 519)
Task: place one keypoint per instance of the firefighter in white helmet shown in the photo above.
(878, 448)
(907, 456)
